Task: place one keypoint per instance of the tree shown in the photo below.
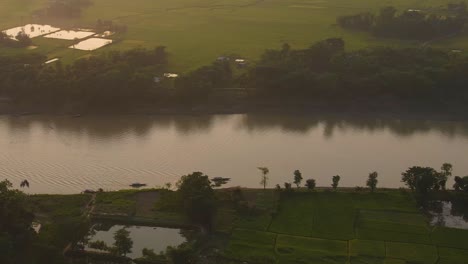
(421, 179)
(99, 244)
(446, 172)
(219, 181)
(310, 183)
(183, 254)
(372, 180)
(15, 224)
(264, 179)
(123, 243)
(197, 196)
(297, 178)
(461, 183)
(335, 181)
(288, 187)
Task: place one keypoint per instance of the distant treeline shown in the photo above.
(63, 8)
(409, 24)
(323, 75)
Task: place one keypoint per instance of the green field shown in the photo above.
(198, 31)
(345, 227)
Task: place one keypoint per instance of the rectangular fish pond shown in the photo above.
(155, 238)
(448, 214)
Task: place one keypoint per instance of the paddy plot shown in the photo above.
(32, 30)
(70, 34)
(91, 44)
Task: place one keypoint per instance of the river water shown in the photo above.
(67, 155)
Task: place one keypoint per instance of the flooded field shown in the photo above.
(70, 34)
(155, 238)
(91, 44)
(32, 30)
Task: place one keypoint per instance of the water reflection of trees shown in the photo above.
(110, 127)
(333, 124)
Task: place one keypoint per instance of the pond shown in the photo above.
(91, 44)
(156, 238)
(448, 214)
(62, 154)
(32, 30)
(69, 34)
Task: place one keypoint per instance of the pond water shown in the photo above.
(32, 30)
(156, 238)
(60, 154)
(69, 34)
(91, 44)
(449, 215)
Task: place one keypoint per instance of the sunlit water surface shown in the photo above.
(68, 155)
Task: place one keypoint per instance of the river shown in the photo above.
(60, 154)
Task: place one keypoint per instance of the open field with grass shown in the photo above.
(196, 32)
(345, 227)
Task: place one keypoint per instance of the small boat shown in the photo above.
(137, 185)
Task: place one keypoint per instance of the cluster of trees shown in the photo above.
(63, 8)
(410, 24)
(115, 79)
(321, 76)
(21, 40)
(383, 79)
(311, 183)
(425, 179)
(19, 243)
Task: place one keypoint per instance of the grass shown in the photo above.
(369, 248)
(251, 245)
(198, 31)
(293, 249)
(116, 203)
(412, 252)
(47, 207)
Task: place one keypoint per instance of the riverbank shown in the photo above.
(311, 111)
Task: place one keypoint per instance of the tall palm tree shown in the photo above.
(264, 180)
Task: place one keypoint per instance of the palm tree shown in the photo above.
(264, 171)
(24, 183)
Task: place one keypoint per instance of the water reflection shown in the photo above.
(449, 213)
(103, 127)
(61, 154)
(153, 238)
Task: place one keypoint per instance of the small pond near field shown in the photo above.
(448, 214)
(155, 238)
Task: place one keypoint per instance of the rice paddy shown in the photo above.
(345, 227)
(196, 32)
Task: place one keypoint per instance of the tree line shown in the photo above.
(409, 24)
(63, 9)
(323, 75)
(417, 178)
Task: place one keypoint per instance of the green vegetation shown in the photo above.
(198, 31)
(260, 226)
(379, 227)
(411, 23)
